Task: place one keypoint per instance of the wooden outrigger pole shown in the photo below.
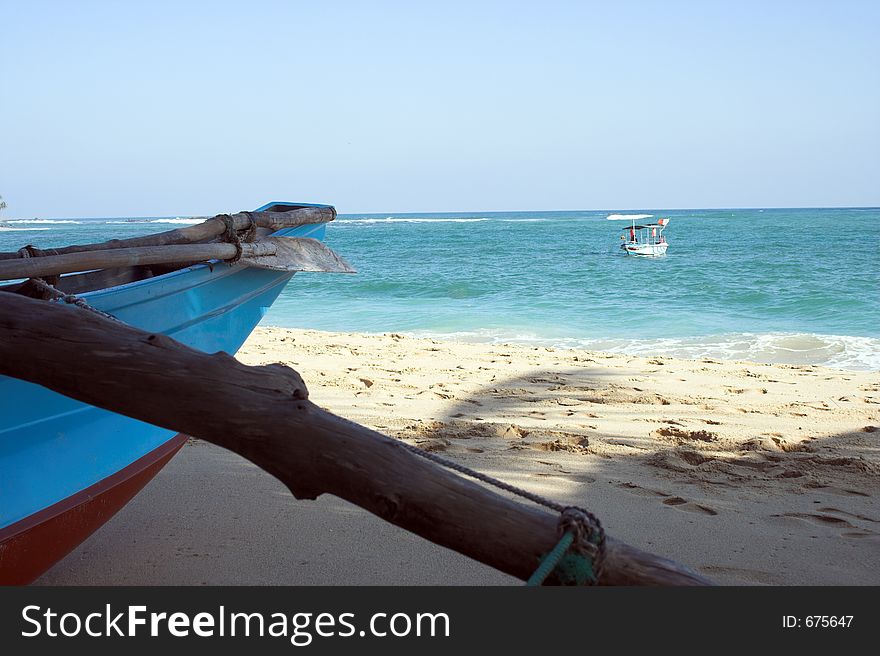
(211, 228)
(263, 413)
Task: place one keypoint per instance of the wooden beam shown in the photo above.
(50, 265)
(263, 413)
(209, 229)
(279, 253)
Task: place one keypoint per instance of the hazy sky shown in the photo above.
(169, 108)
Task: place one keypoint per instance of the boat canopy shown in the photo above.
(646, 225)
(661, 223)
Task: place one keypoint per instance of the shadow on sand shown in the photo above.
(742, 511)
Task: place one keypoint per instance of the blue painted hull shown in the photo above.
(52, 448)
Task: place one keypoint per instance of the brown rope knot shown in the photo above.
(231, 236)
(250, 233)
(32, 251)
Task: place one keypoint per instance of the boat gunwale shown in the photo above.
(169, 275)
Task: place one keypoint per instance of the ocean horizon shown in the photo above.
(780, 285)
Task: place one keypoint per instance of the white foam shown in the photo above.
(16, 221)
(177, 220)
(12, 228)
(837, 351)
(628, 217)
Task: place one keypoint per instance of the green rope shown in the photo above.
(571, 568)
(551, 560)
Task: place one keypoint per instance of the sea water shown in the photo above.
(796, 286)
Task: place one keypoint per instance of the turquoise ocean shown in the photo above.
(796, 286)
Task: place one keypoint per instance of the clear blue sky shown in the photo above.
(168, 108)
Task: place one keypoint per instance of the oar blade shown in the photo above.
(299, 254)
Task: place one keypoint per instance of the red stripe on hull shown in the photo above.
(32, 545)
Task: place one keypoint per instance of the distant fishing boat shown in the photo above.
(645, 240)
(67, 467)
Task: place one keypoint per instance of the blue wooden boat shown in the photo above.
(67, 467)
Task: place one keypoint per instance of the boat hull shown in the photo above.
(32, 545)
(645, 250)
(54, 450)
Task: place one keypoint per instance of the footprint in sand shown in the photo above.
(638, 490)
(824, 520)
(840, 491)
(851, 531)
(848, 514)
(672, 501)
(683, 504)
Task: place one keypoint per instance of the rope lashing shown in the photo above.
(32, 251)
(231, 236)
(250, 233)
(29, 251)
(577, 557)
(56, 294)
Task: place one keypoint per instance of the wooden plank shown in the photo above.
(263, 413)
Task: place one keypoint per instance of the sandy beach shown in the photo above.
(749, 473)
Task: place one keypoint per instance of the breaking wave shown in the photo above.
(628, 217)
(177, 221)
(53, 221)
(837, 351)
